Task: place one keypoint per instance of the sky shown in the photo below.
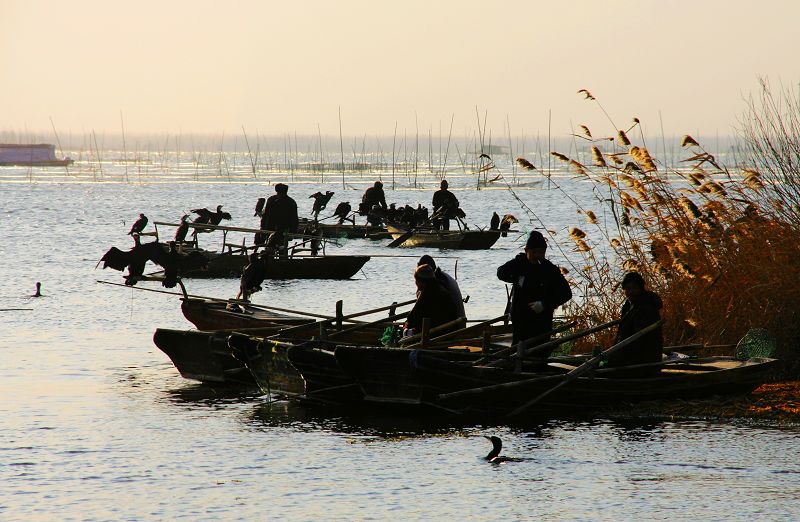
(282, 67)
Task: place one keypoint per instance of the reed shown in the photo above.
(718, 245)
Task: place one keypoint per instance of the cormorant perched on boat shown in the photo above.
(494, 224)
(320, 202)
(494, 456)
(342, 211)
(138, 225)
(505, 224)
(183, 229)
(260, 207)
(136, 258)
(212, 218)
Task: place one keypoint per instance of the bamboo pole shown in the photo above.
(586, 367)
(455, 333)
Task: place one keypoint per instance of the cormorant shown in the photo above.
(183, 229)
(138, 225)
(320, 202)
(136, 258)
(494, 224)
(494, 456)
(342, 211)
(38, 290)
(253, 276)
(206, 216)
(505, 224)
(260, 207)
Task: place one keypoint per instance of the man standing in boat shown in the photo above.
(372, 197)
(641, 309)
(279, 216)
(447, 281)
(538, 289)
(445, 206)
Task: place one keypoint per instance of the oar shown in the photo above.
(402, 239)
(541, 337)
(456, 333)
(587, 367)
(361, 326)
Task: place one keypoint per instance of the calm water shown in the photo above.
(95, 422)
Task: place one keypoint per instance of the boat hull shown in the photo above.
(452, 239)
(418, 377)
(214, 315)
(202, 356)
(306, 267)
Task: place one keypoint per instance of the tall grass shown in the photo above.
(720, 247)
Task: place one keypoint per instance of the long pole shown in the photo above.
(341, 144)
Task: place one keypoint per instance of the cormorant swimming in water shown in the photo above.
(38, 290)
(138, 225)
(183, 229)
(494, 456)
(494, 224)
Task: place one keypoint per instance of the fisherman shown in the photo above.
(445, 206)
(279, 215)
(433, 302)
(447, 281)
(539, 288)
(640, 309)
(372, 196)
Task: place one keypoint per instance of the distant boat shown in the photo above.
(36, 155)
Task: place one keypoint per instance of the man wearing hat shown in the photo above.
(447, 281)
(280, 214)
(538, 289)
(445, 206)
(372, 197)
(433, 302)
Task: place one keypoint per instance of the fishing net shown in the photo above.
(757, 342)
(391, 335)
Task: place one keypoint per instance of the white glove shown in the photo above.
(537, 307)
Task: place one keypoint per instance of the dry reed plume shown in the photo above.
(719, 247)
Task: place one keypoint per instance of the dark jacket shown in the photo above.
(280, 214)
(434, 302)
(374, 196)
(444, 198)
(543, 282)
(635, 317)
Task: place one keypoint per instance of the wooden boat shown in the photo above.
(427, 378)
(207, 314)
(203, 356)
(345, 230)
(296, 263)
(231, 265)
(449, 239)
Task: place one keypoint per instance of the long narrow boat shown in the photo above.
(345, 230)
(231, 265)
(427, 379)
(208, 314)
(449, 239)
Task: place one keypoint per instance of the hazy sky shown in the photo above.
(285, 66)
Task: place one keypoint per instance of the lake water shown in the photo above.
(96, 423)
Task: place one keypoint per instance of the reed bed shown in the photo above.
(720, 246)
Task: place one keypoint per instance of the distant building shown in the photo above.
(38, 155)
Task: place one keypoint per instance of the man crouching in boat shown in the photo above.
(539, 288)
(641, 309)
(447, 281)
(433, 302)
